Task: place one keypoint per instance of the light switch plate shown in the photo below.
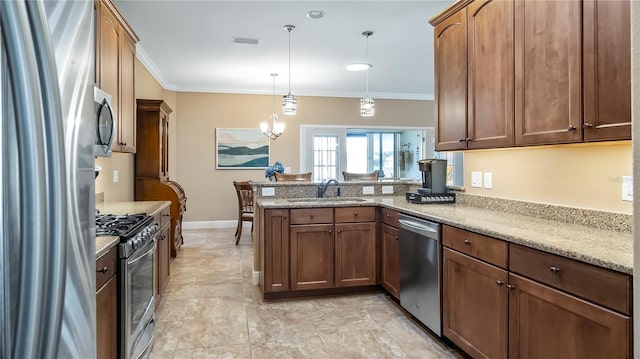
(387, 189)
(367, 190)
(268, 191)
(476, 179)
(488, 180)
(627, 188)
(116, 178)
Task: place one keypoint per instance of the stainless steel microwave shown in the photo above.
(105, 123)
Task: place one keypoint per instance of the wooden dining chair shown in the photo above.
(244, 191)
(351, 176)
(301, 177)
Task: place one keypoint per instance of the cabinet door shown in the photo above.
(163, 257)
(548, 71)
(311, 256)
(546, 323)
(491, 79)
(109, 69)
(276, 250)
(355, 245)
(107, 320)
(390, 261)
(164, 146)
(451, 82)
(607, 70)
(474, 305)
(127, 95)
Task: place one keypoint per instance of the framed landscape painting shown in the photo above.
(241, 148)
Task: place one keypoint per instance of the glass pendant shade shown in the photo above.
(275, 128)
(289, 104)
(367, 107)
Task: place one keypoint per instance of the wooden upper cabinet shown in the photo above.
(607, 70)
(127, 94)
(153, 139)
(491, 78)
(115, 71)
(450, 38)
(548, 72)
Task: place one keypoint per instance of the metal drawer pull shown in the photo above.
(103, 270)
(511, 287)
(554, 269)
(499, 283)
(467, 242)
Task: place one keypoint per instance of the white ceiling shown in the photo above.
(187, 46)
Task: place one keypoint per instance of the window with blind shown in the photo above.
(325, 157)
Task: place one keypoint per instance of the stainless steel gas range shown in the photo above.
(136, 302)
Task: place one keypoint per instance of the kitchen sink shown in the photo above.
(327, 199)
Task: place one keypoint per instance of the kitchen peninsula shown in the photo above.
(570, 264)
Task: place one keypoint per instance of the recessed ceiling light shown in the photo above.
(316, 14)
(358, 67)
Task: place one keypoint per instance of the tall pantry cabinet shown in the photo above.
(152, 164)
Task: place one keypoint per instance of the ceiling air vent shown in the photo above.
(245, 40)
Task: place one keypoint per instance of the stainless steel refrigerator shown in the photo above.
(47, 240)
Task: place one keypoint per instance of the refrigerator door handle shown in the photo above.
(38, 317)
(56, 178)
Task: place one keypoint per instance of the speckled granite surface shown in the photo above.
(292, 189)
(605, 248)
(149, 207)
(104, 244)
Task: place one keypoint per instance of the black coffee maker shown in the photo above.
(434, 183)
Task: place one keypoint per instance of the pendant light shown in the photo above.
(277, 128)
(367, 105)
(289, 102)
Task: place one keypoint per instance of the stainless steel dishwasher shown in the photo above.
(420, 257)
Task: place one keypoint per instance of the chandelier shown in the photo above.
(367, 105)
(277, 128)
(289, 102)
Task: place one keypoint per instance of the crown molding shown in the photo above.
(153, 69)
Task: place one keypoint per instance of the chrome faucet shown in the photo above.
(322, 187)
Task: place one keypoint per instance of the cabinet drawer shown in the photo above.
(311, 215)
(355, 214)
(390, 217)
(485, 248)
(106, 266)
(602, 286)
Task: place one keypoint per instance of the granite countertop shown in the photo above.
(604, 248)
(105, 243)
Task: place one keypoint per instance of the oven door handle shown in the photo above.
(142, 256)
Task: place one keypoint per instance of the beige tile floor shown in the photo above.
(211, 310)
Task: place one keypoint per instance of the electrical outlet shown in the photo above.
(268, 191)
(627, 188)
(287, 170)
(367, 190)
(387, 189)
(115, 176)
(476, 179)
(488, 180)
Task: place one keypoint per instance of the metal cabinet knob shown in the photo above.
(554, 269)
(355, 213)
(166, 215)
(103, 270)
(395, 237)
(285, 216)
(329, 231)
(499, 283)
(467, 242)
(462, 140)
(388, 215)
(339, 230)
(587, 125)
(511, 287)
(312, 214)
(571, 128)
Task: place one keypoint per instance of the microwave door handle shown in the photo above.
(21, 56)
(142, 256)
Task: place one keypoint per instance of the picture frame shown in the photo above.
(241, 148)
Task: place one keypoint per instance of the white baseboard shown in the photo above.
(255, 279)
(213, 224)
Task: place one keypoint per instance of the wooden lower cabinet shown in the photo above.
(311, 260)
(355, 254)
(107, 320)
(474, 305)
(547, 323)
(390, 270)
(163, 258)
(276, 250)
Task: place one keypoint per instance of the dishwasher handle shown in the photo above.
(424, 228)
